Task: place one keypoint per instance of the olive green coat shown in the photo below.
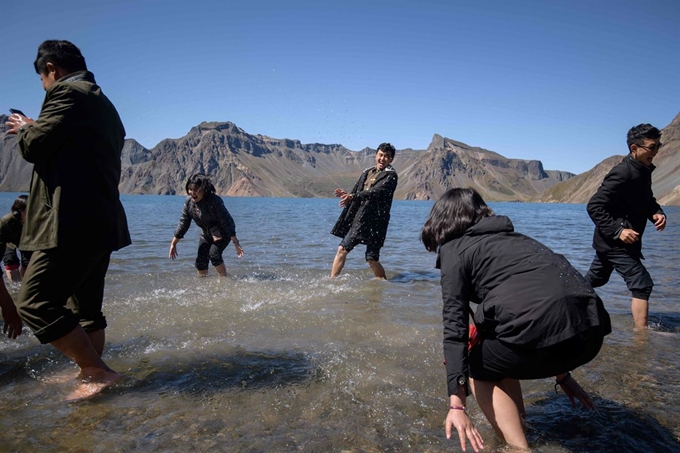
(75, 146)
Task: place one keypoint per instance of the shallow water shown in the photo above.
(278, 357)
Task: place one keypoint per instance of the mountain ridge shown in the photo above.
(255, 165)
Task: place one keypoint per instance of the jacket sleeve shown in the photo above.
(602, 204)
(358, 185)
(384, 188)
(39, 140)
(654, 208)
(223, 217)
(184, 220)
(455, 289)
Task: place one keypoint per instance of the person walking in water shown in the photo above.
(366, 213)
(212, 217)
(74, 218)
(620, 210)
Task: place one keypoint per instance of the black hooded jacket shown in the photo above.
(529, 297)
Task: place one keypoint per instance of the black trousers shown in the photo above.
(61, 289)
(494, 360)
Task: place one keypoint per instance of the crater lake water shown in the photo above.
(278, 357)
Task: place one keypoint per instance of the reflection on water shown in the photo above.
(277, 357)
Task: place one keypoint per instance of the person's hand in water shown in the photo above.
(573, 390)
(237, 246)
(172, 254)
(459, 420)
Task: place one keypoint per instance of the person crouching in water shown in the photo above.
(536, 316)
(216, 224)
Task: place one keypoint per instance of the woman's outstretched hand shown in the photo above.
(466, 430)
(172, 254)
(574, 391)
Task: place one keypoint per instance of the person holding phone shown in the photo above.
(74, 218)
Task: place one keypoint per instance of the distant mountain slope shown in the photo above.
(15, 172)
(580, 188)
(447, 163)
(665, 179)
(244, 164)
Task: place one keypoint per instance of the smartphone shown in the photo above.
(17, 111)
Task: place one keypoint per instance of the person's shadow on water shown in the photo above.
(611, 428)
(191, 374)
(237, 369)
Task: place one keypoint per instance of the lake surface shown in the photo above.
(278, 357)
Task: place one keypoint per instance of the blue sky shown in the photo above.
(558, 81)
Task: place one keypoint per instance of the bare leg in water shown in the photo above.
(640, 310)
(339, 261)
(94, 373)
(378, 270)
(497, 400)
(221, 270)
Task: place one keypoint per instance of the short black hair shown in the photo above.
(200, 181)
(387, 148)
(60, 53)
(638, 134)
(456, 211)
(19, 205)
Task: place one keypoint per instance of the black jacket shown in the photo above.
(624, 200)
(529, 297)
(367, 216)
(210, 215)
(75, 146)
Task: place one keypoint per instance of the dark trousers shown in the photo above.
(210, 252)
(61, 289)
(634, 273)
(494, 360)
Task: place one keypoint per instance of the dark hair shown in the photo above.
(387, 148)
(19, 205)
(455, 212)
(638, 134)
(60, 53)
(200, 181)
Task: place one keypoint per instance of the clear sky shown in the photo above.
(558, 81)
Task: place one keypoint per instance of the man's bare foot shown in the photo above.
(93, 381)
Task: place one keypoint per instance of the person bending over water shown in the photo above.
(216, 224)
(536, 315)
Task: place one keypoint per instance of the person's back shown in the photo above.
(508, 272)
